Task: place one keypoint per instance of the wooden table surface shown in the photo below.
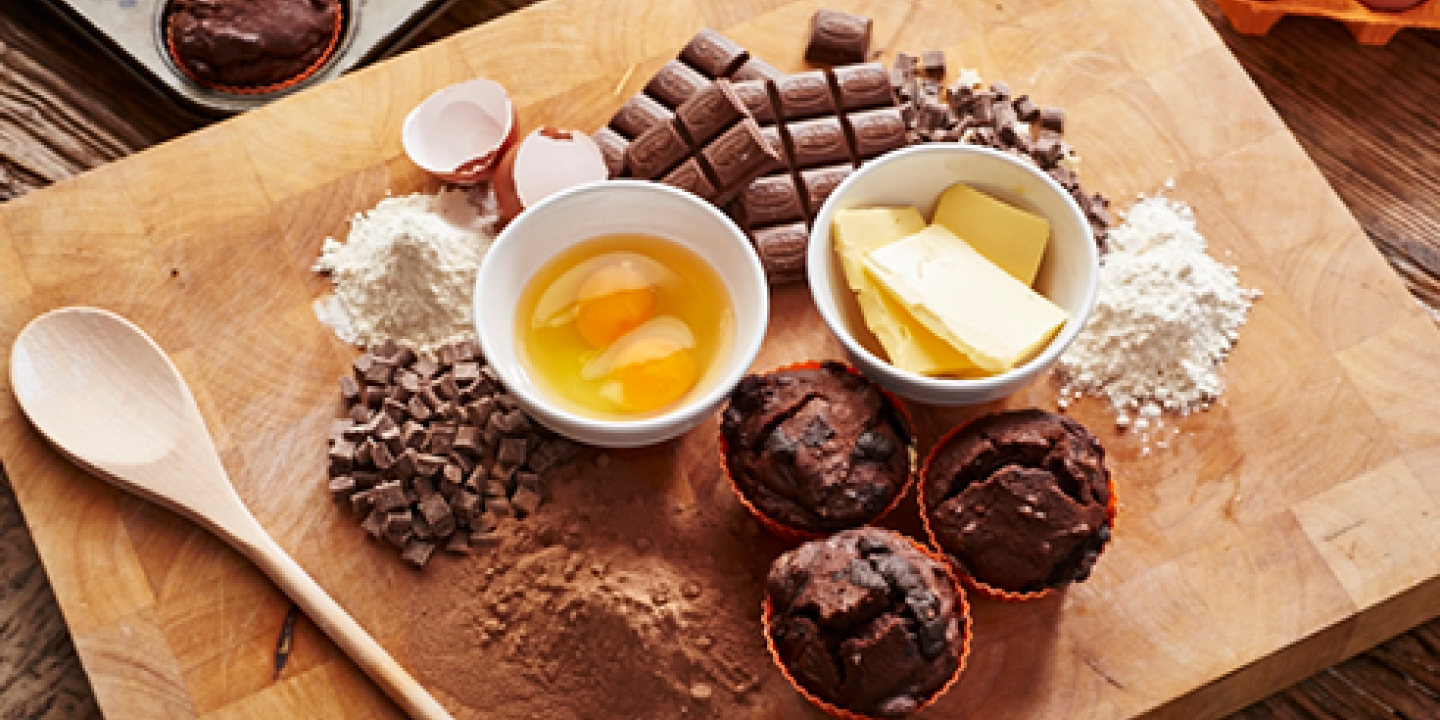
(1351, 110)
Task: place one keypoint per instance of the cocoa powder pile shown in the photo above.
(634, 592)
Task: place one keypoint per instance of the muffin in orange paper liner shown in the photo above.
(815, 447)
(251, 47)
(1020, 502)
(866, 623)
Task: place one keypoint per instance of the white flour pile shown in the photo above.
(407, 270)
(1166, 316)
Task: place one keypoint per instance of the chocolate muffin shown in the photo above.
(253, 45)
(1019, 500)
(815, 448)
(865, 621)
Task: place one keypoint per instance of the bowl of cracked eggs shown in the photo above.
(621, 313)
(952, 274)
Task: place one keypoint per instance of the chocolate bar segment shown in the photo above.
(691, 177)
(772, 199)
(862, 86)
(820, 182)
(804, 95)
(737, 157)
(878, 131)
(639, 114)
(782, 251)
(820, 141)
(675, 83)
(837, 38)
(713, 54)
(756, 69)
(755, 94)
(656, 152)
(710, 112)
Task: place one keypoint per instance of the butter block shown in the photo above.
(858, 231)
(997, 321)
(908, 344)
(1008, 236)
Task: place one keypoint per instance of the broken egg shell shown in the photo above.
(547, 161)
(459, 133)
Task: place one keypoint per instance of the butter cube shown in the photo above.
(1006, 235)
(997, 321)
(907, 342)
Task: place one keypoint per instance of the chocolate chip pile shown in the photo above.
(433, 452)
(994, 118)
(865, 621)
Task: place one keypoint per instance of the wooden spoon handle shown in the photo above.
(330, 617)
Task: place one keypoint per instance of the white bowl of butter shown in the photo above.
(963, 307)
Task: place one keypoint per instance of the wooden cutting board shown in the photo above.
(1295, 523)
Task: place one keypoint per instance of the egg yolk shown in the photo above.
(612, 301)
(656, 373)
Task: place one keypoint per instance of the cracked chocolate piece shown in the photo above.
(1019, 500)
(791, 438)
(848, 635)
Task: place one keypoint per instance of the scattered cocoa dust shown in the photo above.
(635, 592)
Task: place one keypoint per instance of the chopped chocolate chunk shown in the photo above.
(396, 527)
(437, 514)
(341, 486)
(425, 367)
(1026, 109)
(932, 64)
(1053, 118)
(458, 544)
(349, 389)
(342, 456)
(417, 552)
(387, 496)
(553, 453)
(525, 502)
(512, 452)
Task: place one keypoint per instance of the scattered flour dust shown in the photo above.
(1165, 318)
(407, 270)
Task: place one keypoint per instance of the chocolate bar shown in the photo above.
(766, 146)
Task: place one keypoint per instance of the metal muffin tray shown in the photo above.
(132, 31)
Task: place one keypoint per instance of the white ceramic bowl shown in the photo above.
(1068, 276)
(607, 208)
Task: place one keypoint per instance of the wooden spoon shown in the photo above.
(99, 389)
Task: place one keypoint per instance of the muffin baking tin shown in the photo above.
(132, 32)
